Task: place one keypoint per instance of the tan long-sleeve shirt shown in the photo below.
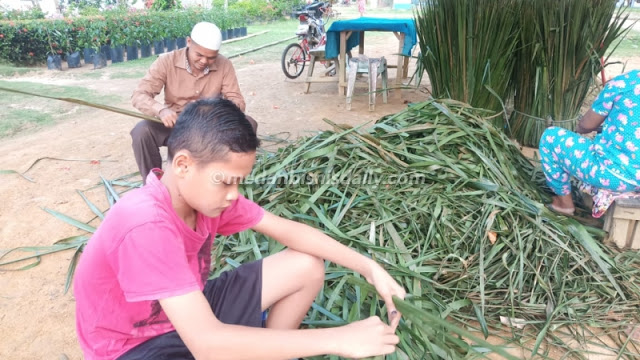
(169, 71)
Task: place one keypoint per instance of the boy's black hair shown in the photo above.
(209, 129)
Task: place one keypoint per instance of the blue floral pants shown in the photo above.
(565, 154)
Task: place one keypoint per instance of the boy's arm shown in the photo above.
(303, 238)
(208, 338)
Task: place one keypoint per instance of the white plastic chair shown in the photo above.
(373, 67)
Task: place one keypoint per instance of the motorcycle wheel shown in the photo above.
(293, 60)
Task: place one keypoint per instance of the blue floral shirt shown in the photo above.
(620, 138)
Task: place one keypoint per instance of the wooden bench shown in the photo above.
(316, 55)
(622, 222)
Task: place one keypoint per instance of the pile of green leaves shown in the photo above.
(455, 212)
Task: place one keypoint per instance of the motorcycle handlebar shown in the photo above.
(314, 10)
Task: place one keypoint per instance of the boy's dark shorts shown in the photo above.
(235, 298)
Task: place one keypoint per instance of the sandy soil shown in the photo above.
(37, 317)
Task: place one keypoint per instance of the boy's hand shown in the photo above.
(364, 338)
(387, 287)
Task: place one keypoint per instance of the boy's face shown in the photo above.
(211, 188)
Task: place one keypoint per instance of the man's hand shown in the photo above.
(168, 117)
(365, 338)
(386, 287)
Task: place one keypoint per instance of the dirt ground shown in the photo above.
(36, 316)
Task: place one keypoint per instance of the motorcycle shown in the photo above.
(312, 34)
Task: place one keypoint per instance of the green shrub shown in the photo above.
(33, 13)
(28, 42)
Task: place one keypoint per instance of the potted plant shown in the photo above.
(98, 41)
(145, 36)
(116, 39)
(235, 18)
(227, 19)
(243, 27)
(221, 22)
(83, 40)
(171, 32)
(157, 32)
(71, 48)
(131, 38)
(54, 59)
(182, 28)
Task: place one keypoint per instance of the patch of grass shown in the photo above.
(124, 70)
(278, 30)
(76, 92)
(19, 112)
(629, 46)
(9, 70)
(17, 120)
(127, 75)
(134, 64)
(96, 74)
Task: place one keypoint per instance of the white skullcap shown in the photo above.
(207, 35)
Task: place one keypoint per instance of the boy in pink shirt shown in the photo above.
(141, 284)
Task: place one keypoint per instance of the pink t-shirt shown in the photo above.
(143, 252)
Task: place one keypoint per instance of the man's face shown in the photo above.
(199, 57)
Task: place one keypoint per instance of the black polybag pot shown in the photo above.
(88, 55)
(73, 60)
(99, 60)
(158, 47)
(117, 54)
(132, 52)
(106, 50)
(145, 51)
(171, 44)
(54, 62)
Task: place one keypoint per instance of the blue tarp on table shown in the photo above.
(406, 26)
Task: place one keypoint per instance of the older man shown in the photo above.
(186, 75)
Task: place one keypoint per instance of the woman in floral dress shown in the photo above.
(611, 160)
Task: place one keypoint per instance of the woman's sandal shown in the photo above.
(563, 211)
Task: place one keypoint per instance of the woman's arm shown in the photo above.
(589, 122)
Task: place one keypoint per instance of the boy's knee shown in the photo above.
(312, 267)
